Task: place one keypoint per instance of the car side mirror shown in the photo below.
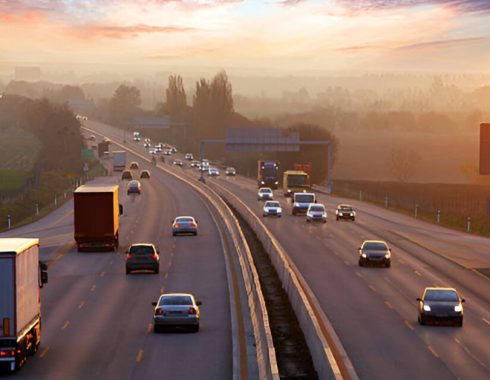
(360, 249)
(121, 209)
(198, 303)
(154, 303)
(389, 249)
(419, 299)
(462, 300)
(158, 251)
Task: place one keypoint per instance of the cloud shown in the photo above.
(124, 32)
(468, 6)
(445, 44)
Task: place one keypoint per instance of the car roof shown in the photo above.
(184, 216)
(265, 188)
(435, 288)
(176, 295)
(145, 171)
(142, 245)
(374, 241)
(317, 204)
(343, 205)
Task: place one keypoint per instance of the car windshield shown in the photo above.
(317, 208)
(272, 204)
(141, 250)
(265, 191)
(375, 246)
(304, 198)
(133, 185)
(345, 209)
(176, 300)
(184, 220)
(441, 295)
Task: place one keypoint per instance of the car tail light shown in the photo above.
(7, 353)
(154, 257)
(159, 311)
(192, 224)
(192, 311)
(128, 256)
(177, 225)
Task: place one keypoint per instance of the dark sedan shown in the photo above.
(440, 304)
(374, 252)
(142, 256)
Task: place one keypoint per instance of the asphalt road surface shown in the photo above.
(97, 321)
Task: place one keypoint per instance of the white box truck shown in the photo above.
(119, 157)
(21, 276)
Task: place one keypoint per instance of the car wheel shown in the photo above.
(264, 215)
(196, 328)
(157, 269)
(324, 221)
(459, 322)
(195, 233)
(174, 234)
(353, 219)
(361, 262)
(388, 264)
(156, 329)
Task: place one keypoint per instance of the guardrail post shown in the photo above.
(360, 195)
(468, 224)
(416, 211)
(438, 216)
(386, 201)
(37, 209)
(55, 200)
(9, 221)
(64, 194)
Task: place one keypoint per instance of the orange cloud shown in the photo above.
(22, 18)
(125, 32)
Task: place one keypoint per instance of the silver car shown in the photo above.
(213, 172)
(177, 310)
(272, 208)
(316, 213)
(184, 225)
(265, 193)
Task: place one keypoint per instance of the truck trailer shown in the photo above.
(96, 215)
(295, 181)
(268, 174)
(119, 160)
(21, 276)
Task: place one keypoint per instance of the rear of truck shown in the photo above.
(96, 217)
(20, 307)
(119, 160)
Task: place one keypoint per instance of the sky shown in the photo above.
(306, 36)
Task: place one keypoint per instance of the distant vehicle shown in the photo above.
(301, 202)
(158, 147)
(119, 160)
(176, 310)
(268, 174)
(136, 136)
(184, 225)
(127, 175)
(152, 151)
(134, 187)
(194, 163)
(134, 165)
(147, 140)
(84, 118)
(97, 212)
(345, 211)
(92, 138)
(294, 181)
(303, 167)
(230, 171)
(178, 163)
(146, 145)
(167, 152)
(440, 304)
(174, 149)
(213, 172)
(272, 208)
(374, 252)
(21, 276)
(189, 156)
(145, 174)
(265, 193)
(142, 256)
(316, 213)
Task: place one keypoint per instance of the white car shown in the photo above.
(272, 208)
(189, 156)
(316, 213)
(213, 172)
(265, 193)
(178, 163)
(146, 144)
(176, 310)
(152, 151)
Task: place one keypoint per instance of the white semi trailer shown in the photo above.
(21, 276)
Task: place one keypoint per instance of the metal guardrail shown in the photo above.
(265, 352)
(329, 357)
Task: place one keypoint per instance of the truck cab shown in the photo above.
(301, 202)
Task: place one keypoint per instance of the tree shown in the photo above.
(123, 105)
(176, 98)
(404, 163)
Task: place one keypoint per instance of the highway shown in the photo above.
(97, 321)
(374, 310)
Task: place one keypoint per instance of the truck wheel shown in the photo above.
(128, 271)
(157, 269)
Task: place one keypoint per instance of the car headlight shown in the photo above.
(337, 212)
(364, 255)
(388, 255)
(426, 308)
(458, 308)
(275, 183)
(296, 204)
(341, 214)
(262, 182)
